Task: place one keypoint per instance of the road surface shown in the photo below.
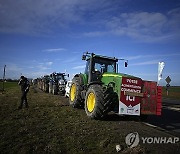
(170, 118)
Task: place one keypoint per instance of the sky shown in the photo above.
(45, 36)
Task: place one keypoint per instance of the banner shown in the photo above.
(160, 69)
(130, 105)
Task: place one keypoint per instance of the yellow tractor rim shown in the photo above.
(91, 102)
(73, 92)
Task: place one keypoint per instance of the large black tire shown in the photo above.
(103, 101)
(50, 88)
(75, 98)
(46, 87)
(54, 90)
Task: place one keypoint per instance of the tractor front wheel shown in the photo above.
(75, 93)
(98, 102)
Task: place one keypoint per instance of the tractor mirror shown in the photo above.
(83, 57)
(68, 75)
(126, 64)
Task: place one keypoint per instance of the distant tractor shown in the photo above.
(57, 83)
(45, 83)
(102, 89)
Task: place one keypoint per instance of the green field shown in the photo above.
(173, 92)
(8, 85)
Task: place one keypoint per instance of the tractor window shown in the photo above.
(60, 77)
(98, 67)
(87, 67)
(103, 65)
(110, 68)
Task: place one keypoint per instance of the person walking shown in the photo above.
(24, 83)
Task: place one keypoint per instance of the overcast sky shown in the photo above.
(40, 37)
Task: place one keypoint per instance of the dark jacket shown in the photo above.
(24, 83)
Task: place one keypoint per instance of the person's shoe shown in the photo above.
(19, 107)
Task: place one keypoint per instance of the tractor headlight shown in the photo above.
(61, 82)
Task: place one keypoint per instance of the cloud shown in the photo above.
(49, 63)
(35, 69)
(79, 67)
(174, 22)
(141, 26)
(36, 16)
(44, 66)
(37, 74)
(31, 67)
(12, 71)
(38, 70)
(95, 34)
(134, 57)
(70, 60)
(145, 26)
(44, 16)
(152, 62)
(151, 56)
(54, 50)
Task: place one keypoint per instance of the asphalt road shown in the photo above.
(169, 120)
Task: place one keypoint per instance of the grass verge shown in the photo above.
(50, 125)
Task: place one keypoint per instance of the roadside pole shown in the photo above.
(168, 80)
(167, 89)
(4, 77)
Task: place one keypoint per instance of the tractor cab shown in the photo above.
(97, 65)
(46, 78)
(56, 77)
(57, 83)
(60, 77)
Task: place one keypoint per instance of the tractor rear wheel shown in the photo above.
(98, 102)
(75, 93)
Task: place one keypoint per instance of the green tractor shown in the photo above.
(102, 89)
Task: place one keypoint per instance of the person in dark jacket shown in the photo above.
(24, 83)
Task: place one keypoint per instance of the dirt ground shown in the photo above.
(50, 125)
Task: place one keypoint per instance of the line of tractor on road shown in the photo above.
(102, 89)
(55, 83)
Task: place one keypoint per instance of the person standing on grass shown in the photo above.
(24, 83)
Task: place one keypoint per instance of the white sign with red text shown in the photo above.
(130, 105)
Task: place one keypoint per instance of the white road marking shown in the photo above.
(153, 126)
(149, 125)
(172, 108)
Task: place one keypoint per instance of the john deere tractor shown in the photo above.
(102, 89)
